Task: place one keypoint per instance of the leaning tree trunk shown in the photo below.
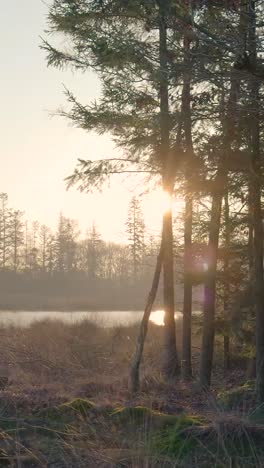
(134, 383)
(171, 364)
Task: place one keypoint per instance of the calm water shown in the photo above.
(104, 319)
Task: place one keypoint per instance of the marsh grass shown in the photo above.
(66, 404)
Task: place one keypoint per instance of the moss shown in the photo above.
(136, 414)
(238, 396)
(67, 410)
(80, 406)
(173, 440)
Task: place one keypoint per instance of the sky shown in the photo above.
(38, 150)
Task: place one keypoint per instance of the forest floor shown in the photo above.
(64, 402)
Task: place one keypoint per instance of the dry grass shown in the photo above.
(80, 359)
(83, 359)
(50, 363)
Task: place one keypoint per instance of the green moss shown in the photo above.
(135, 414)
(67, 411)
(80, 406)
(237, 396)
(173, 440)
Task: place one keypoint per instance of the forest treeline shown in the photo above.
(63, 268)
(182, 96)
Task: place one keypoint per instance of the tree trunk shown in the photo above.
(250, 234)
(256, 199)
(229, 126)
(207, 350)
(171, 364)
(258, 262)
(251, 368)
(187, 299)
(227, 358)
(134, 383)
(226, 285)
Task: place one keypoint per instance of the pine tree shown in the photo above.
(93, 252)
(140, 52)
(135, 228)
(16, 237)
(33, 249)
(65, 247)
(139, 115)
(44, 239)
(5, 214)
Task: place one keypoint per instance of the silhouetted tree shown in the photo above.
(136, 231)
(16, 237)
(4, 230)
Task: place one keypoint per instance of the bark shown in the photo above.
(226, 285)
(250, 232)
(251, 368)
(171, 364)
(134, 383)
(207, 350)
(256, 202)
(229, 126)
(187, 299)
(227, 357)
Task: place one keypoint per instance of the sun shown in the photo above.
(159, 200)
(162, 200)
(157, 203)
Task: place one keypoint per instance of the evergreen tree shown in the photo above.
(5, 214)
(136, 232)
(44, 240)
(93, 252)
(140, 115)
(16, 237)
(65, 246)
(184, 100)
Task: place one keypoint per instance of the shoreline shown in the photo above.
(68, 309)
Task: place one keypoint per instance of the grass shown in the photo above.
(66, 404)
(241, 397)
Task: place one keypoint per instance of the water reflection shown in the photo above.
(104, 319)
(157, 317)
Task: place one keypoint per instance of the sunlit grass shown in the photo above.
(69, 381)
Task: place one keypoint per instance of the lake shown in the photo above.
(103, 319)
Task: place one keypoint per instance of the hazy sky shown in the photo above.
(37, 151)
